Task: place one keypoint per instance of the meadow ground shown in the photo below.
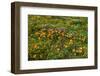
(57, 37)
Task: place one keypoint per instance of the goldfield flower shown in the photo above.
(39, 38)
(35, 46)
(37, 33)
(53, 31)
(49, 32)
(73, 50)
(65, 46)
(56, 46)
(42, 34)
(62, 33)
(49, 35)
(58, 49)
(80, 50)
(71, 41)
(75, 54)
(34, 56)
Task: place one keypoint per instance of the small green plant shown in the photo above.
(57, 37)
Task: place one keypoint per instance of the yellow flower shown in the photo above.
(34, 56)
(75, 54)
(51, 31)
(62, 33)
(80, 48)
(35, 46)
(39, 38)
(65, 46)
(58, 49)
(79, 51)
(42, 34)
(71, 41)
(73, 50)
(37, 33)
(49, 35)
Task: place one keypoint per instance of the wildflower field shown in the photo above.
(57, 37)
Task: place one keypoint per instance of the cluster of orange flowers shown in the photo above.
(49, 33)
(79, 50)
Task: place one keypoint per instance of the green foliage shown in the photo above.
(57, 37)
